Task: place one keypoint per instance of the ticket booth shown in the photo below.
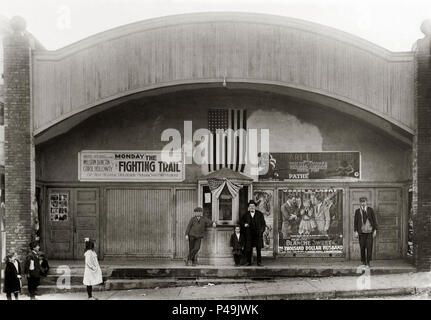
(223, 195)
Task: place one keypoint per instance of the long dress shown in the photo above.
(307, 224)
(92, 273)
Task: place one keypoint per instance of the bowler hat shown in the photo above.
(252, 202)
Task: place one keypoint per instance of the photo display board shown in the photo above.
(59, 206)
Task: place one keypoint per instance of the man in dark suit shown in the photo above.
(32, 269)
(365, 227)
(195, 232)
(253, 225)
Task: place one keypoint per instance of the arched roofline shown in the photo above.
(214, 17)
(398, 131)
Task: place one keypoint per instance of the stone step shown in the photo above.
(49, 289)
(52, 279)
(155, 283)
(130, 284)
(248, 272)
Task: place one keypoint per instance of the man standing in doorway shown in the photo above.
(253, 225)
(365, 227)
(195, 232)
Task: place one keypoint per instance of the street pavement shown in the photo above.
(365, 286)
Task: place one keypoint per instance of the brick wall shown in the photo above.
(18, 142)
(422, 150)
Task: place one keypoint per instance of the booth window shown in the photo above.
(207, 203)
(225, 205)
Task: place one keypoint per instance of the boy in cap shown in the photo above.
(254, 225)
(195, 232)
(32, 269)
(365, 227)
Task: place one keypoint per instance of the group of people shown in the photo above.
(308, 216)
(248, 235)
(36, 266)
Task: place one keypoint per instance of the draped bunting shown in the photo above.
(217, 185)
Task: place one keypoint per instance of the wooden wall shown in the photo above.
(139, 222)
(186, 201)
(204, 48)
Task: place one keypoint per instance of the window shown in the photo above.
(207, 202)
(225, 205)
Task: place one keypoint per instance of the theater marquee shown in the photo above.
(129, 166)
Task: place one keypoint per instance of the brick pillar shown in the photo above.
(422, 172)
(18, 138)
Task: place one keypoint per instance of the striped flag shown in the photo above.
(227, 150)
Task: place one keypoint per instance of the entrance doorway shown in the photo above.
(72, 216)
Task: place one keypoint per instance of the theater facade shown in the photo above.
(324, 118)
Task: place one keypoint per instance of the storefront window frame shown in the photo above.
(215, 204)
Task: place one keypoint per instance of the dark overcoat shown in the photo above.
(254, 232)
(11, 280)
(237, 245)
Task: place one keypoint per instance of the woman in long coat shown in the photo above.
(92, 272)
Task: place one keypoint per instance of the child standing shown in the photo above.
(12, 276)
(92, 273)
(237, 242)
(32, 269)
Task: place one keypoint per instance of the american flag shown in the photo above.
(227, 151)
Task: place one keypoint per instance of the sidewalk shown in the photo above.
(286, 288)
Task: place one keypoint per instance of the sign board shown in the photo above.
(309, 165)
(311, 221)
(130, 166)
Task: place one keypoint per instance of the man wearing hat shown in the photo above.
(365, 227)
(253, 225)
(195, 232)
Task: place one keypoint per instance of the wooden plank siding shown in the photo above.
(139, 222)
(186, 201)
(204, 48)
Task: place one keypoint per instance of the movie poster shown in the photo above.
(311, 222)
(130, 166)
(309, 165)
(265, 200)
(59, 207)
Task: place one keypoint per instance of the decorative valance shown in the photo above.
(217, 185)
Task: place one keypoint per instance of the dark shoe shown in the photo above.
(194, 264)
(259, 264)
(248, 264)
(186, 261)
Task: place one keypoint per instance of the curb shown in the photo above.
(330, 295)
